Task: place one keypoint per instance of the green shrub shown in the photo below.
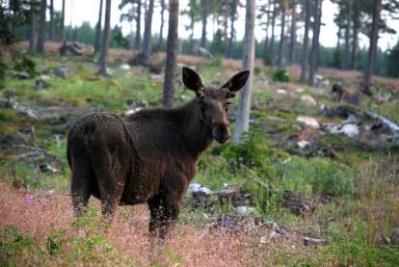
(317, 176)
(24, 63)
(281, 75)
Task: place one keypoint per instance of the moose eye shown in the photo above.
(226, 106)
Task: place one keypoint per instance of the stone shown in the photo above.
(124, 67)
(395, 236)
(308, 100)
(308, 121)
(61, 71)
(303, 144)
(22, 75)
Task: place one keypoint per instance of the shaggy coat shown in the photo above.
(150, 156)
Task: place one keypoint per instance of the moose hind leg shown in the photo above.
(171, 212)
(82, 177)
(110, 179)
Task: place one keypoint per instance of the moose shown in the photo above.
(149, 156)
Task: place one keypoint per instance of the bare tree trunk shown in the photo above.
(42, 27)
(171, 53)
(271, 50)
(373, 47)
(314, 54)
(63, 39)
(347, 35)
(205, 10)
(191, 40)
(355, 40)
(137, 38)
(305, 48)
(162, 23)
(106, 36)
(147, 43)
(242, 122)
(51, 33)
(266, 43)
(293, 34)
(97, 41)
(233, 7)
(225, 23)
(33, 34)
(281, 60)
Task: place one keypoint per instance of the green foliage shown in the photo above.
(25, 63)
(252, 152)
(281, 75)
(3, 70)
(117, 38)
(13, 246)
(56, 241)
(393, 61)
(316, 175)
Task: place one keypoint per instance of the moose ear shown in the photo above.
(237, 81)
(192, 80)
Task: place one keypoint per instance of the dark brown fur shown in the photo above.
(150, 156)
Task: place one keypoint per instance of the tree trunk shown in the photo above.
(347, 35)
(42, 27)
(266, 43)
(281, 60)
(271, 50)
(33, 34)
(162, 23)
(242, 122)
(191, 40)
(225, 23)
(106, 36)
(314, 54)
(373, 47)
(356, 26)
(293, 34)
(305, 48)
(137, 38)
(51, 33)
(233, 12)
(147, 43)
(205, 10)
(97, 41)
(171, 54)
(63, 39)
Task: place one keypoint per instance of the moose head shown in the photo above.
(213, 101)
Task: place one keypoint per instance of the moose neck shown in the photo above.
(197, 132)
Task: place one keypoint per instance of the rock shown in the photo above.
(308, 100)
(69, 48)
(124, 67)
(235, 196)
(47, 168)
(42, 82)
(244, 210)
(134, 105)
(195, 187)
(201, 51)
(395, 236)
(296, 204)
(313, 241)
(303, 144)
(348, 127)
(22, 75)
(308, 121)
(61, 71)
(199, 195)
(281, 91)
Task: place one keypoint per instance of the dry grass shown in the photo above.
(189, 245)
